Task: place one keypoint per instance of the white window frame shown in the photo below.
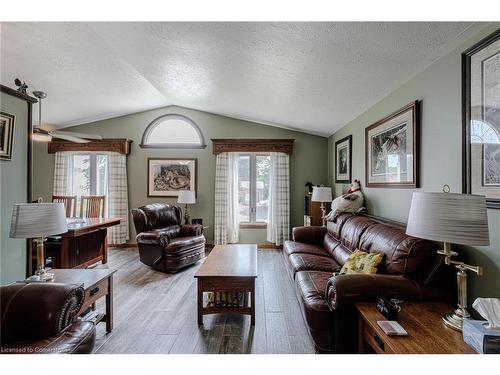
(253, 190)
(171, 116)
(93, 170)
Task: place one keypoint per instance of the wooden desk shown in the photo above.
(427, 333)
(228, 268)
(97, 282)
(84, 244)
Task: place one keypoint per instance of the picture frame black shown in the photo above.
(7, 124)
(343, 173)
(413, 110)
(467, 116)
(193, 162)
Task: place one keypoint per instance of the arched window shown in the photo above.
(173, 131)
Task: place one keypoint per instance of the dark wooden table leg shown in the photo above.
(200, 301)
(105, 246)
(252, 301)
(109, 305)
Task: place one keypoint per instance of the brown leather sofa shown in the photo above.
(40, 318)
(411, 271)
(164, 244)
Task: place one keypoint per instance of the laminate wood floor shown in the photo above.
(156, 313)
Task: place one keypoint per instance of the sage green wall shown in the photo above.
(13, 183)
(439, 89)
(309, 161)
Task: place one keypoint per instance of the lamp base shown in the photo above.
(40, 278)
(455, 319)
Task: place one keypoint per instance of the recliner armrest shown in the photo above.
(343, 291)
(191, 230)
(312, 235)
(152, 238)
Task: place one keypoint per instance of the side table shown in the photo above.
(97, 283)
(427, 333)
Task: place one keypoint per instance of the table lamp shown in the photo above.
(322, 194)
(38, 220)
(186, 197)
(451, 218)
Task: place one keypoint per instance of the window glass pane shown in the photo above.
(263, 169)
(244, 188)
(102, 175)
(80, 175)
(173, 131)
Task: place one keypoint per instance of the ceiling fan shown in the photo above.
(43, 135)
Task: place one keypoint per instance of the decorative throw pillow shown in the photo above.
(362, 262)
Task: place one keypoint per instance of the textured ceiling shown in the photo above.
(314, 77)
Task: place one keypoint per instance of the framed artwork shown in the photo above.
(166, 177)
(6, 135)
(343, 159)
(392, 149)
(481, 119)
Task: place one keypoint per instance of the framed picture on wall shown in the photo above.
(392, 149)
(343, 159)
(6, 135)
(166, 177)
(481, 119)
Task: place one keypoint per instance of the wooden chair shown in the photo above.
(69, 203)
(92, 206)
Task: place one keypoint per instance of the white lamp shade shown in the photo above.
(31, 220)
(449, 217)
(321, 194)
(186, 197)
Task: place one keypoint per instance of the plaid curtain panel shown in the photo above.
(117, 199)
(61, 174)
(221, 203)
(278, 226)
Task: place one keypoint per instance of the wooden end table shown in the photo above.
(228, 268)
(427, 333)
(97, 283)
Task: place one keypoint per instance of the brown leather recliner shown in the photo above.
(411, 271)
(164, 243)
(39, 318)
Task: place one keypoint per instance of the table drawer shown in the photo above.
(375, 340)
(97, 291)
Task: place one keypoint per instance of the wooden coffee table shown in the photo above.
(228, 268)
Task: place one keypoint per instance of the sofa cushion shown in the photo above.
(311, 262)
(404, 255)
(352, 230)
(311, 288)
(291, 247)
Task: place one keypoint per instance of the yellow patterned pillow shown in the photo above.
(362, 262)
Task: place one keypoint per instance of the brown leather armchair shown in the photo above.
(164, 244)
(38, 318)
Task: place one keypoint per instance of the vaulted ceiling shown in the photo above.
(314, 77)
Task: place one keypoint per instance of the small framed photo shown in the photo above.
(343, 158)
(166, 177)
(392, 149)
(6, 135)
(197, 221)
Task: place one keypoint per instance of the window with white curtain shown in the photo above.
(88, 174)
(253, 187)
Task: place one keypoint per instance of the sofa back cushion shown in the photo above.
(156, 215)
(403, 255)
